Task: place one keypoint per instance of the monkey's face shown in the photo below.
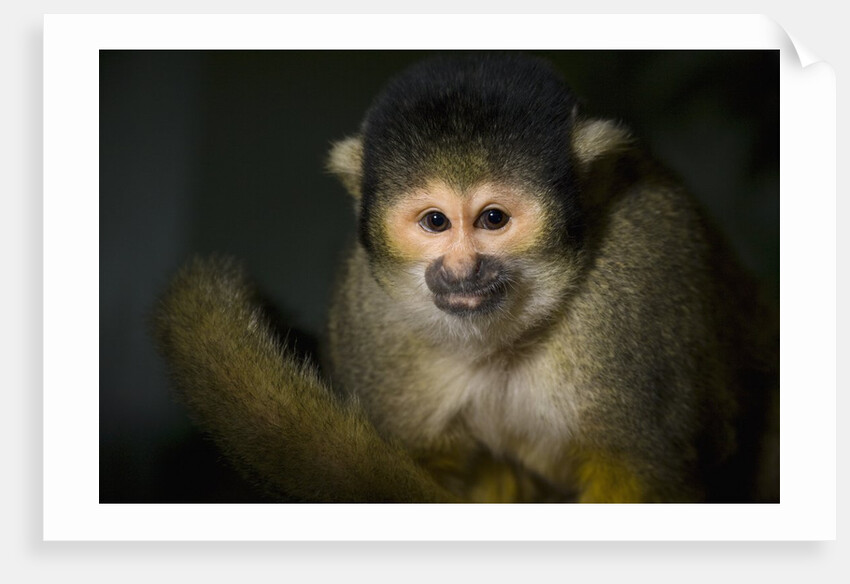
(467, 200)
(476, 257)
(463, 241)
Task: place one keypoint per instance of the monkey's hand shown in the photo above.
(269, 412)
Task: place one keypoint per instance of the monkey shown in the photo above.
(533, 310)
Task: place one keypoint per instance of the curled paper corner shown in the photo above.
(792, 44)
(805, 56)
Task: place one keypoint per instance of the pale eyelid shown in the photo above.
(492, 205)
(422, 214)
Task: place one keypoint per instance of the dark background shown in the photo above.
(223, 152)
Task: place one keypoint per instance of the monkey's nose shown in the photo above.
(458, 272)
(480, 288)
(454, 277)
(474, 277)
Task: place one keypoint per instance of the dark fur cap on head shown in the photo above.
(467, 118)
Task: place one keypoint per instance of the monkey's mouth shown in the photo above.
(477, 289)
(471, 302)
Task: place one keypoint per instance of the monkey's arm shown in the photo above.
(269, 413)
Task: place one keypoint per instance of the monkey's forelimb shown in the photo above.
(269, 412)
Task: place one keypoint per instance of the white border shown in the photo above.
(71, 509)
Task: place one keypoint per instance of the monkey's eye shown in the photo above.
(492, 219)
(435, 222)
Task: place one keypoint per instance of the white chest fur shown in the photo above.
(520, 409)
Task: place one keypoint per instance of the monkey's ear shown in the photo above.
(595, 139)
(346, 162)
